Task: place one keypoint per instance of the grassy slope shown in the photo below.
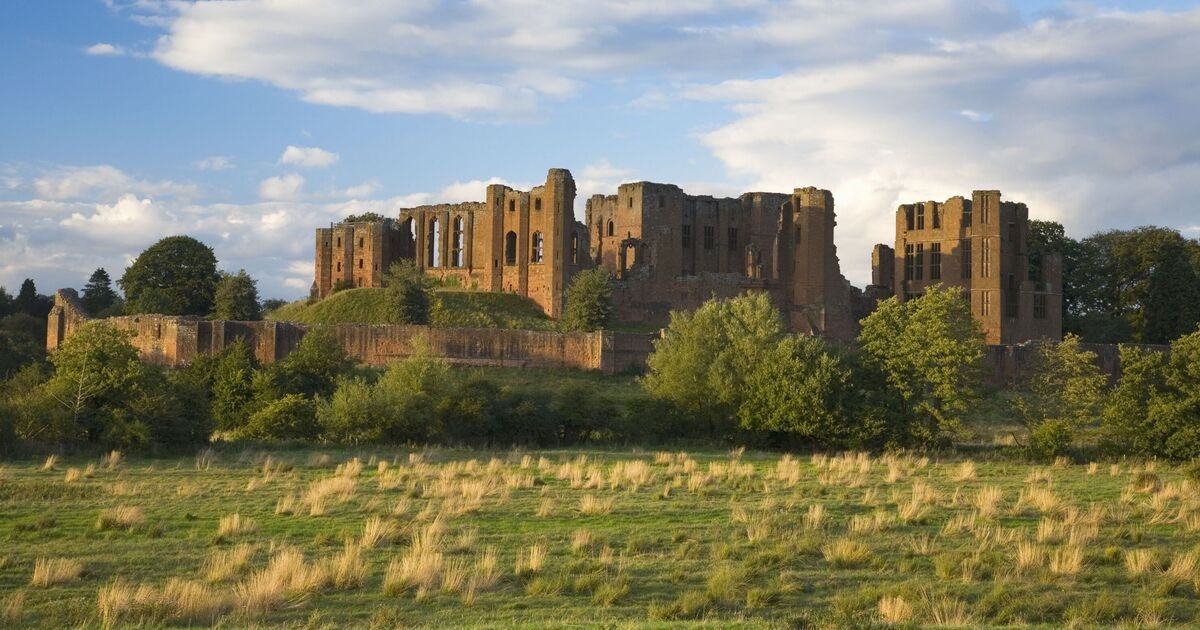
(728, 543)
(470, 309)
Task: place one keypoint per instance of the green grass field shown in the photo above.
(450, 307)
(382, 537)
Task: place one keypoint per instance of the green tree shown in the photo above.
(702, 361)
(98, 294)
(1110, 276)
(928, 354)
(803, 391)
(175, 276)
(366, 217)
(1154, 410)
(29, 302)
(1058, 395)
(236, 297)
(408, 293)
(6, 303)
(292, 417)
(310, 370)
(232, 386)
(589, 301)
(96, 371)
(22, 341)
(1173, 295)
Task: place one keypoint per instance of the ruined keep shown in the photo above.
(523, 242)
(667, 249)
(670, 251)
(981, 245)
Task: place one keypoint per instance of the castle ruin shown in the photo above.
(668, 250)
(981, 245)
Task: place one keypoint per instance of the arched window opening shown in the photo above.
(610, 228)
(535, 252)
(433, 248)
(510, 248)
(456, 252)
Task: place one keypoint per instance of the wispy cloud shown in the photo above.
(214, 163)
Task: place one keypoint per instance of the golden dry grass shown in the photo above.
(49, 572)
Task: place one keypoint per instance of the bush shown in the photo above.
(1154, 410)
(589, 301)
(292, 417)
(1058, 395)
(408, 293)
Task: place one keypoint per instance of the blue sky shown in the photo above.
(248, 124)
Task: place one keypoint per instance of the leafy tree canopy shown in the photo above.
(408, 293)
(366, 217)
(98, 294)
(236, 297)
(929, 353)
(175, 276)
(589, 301)
(1058, 395)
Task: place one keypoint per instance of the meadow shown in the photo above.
(383, 538)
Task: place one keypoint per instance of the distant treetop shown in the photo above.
(366, 217)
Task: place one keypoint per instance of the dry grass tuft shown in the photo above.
(531, 560)
(112, 460)
(12, 610)
(894, 610)
(1139, 562)
(235, 525)
(1066, 560)
(54, 571)
(49, 464)
(846, 553)
(347, 569)
(73, 475)
(965, 471)
(120, 517)
(590, 504)
(1030, 556)
(947, 612)
(545, 508)
(419, 569)
(581, 539)
(814, 518)
(378, 531)
(226, 564)
(987, 501)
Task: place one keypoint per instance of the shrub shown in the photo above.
(292, 417)
(1058, 395)
(589, 301)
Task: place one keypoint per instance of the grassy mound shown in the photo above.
(449, 308)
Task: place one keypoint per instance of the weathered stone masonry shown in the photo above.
(176, 341)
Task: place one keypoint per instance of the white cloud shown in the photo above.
(312, 157)
(473, 190)
(102, 49)
(281, 188)
(104, 181)
(1086, 122)
(365, 189)
(508, 55)
(214, 163)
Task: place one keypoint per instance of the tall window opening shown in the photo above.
(433, 248)
(537, 203)
(985, 269)
(574, 248)
(935, 261)
(1039, 306)
(909, 223)
(610, 228)
(908, 261)
(733, 239)
(687, 237)
(986, 306)
(937, 218)
(510, 248)
(535, 249)
(710, 237)
(921, 216)
(456, 250)
(964, 255)
(966, 214)
(919, 265)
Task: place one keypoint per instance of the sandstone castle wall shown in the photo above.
(176, 341)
